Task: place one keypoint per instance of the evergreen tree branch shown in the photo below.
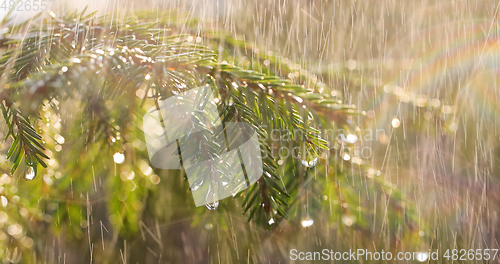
(93, 60)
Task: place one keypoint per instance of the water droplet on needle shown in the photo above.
(30, 173)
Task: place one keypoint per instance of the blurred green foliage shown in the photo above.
(74, 93)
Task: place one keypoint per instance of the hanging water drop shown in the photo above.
(307, 222)
(119, 158)
(311, 163)
(30, 173)
(351, 138)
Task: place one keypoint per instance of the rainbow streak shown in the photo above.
(475, 54)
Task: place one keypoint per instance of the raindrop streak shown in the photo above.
(213, 206)
(30, 173)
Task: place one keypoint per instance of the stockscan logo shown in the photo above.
(220, 158)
